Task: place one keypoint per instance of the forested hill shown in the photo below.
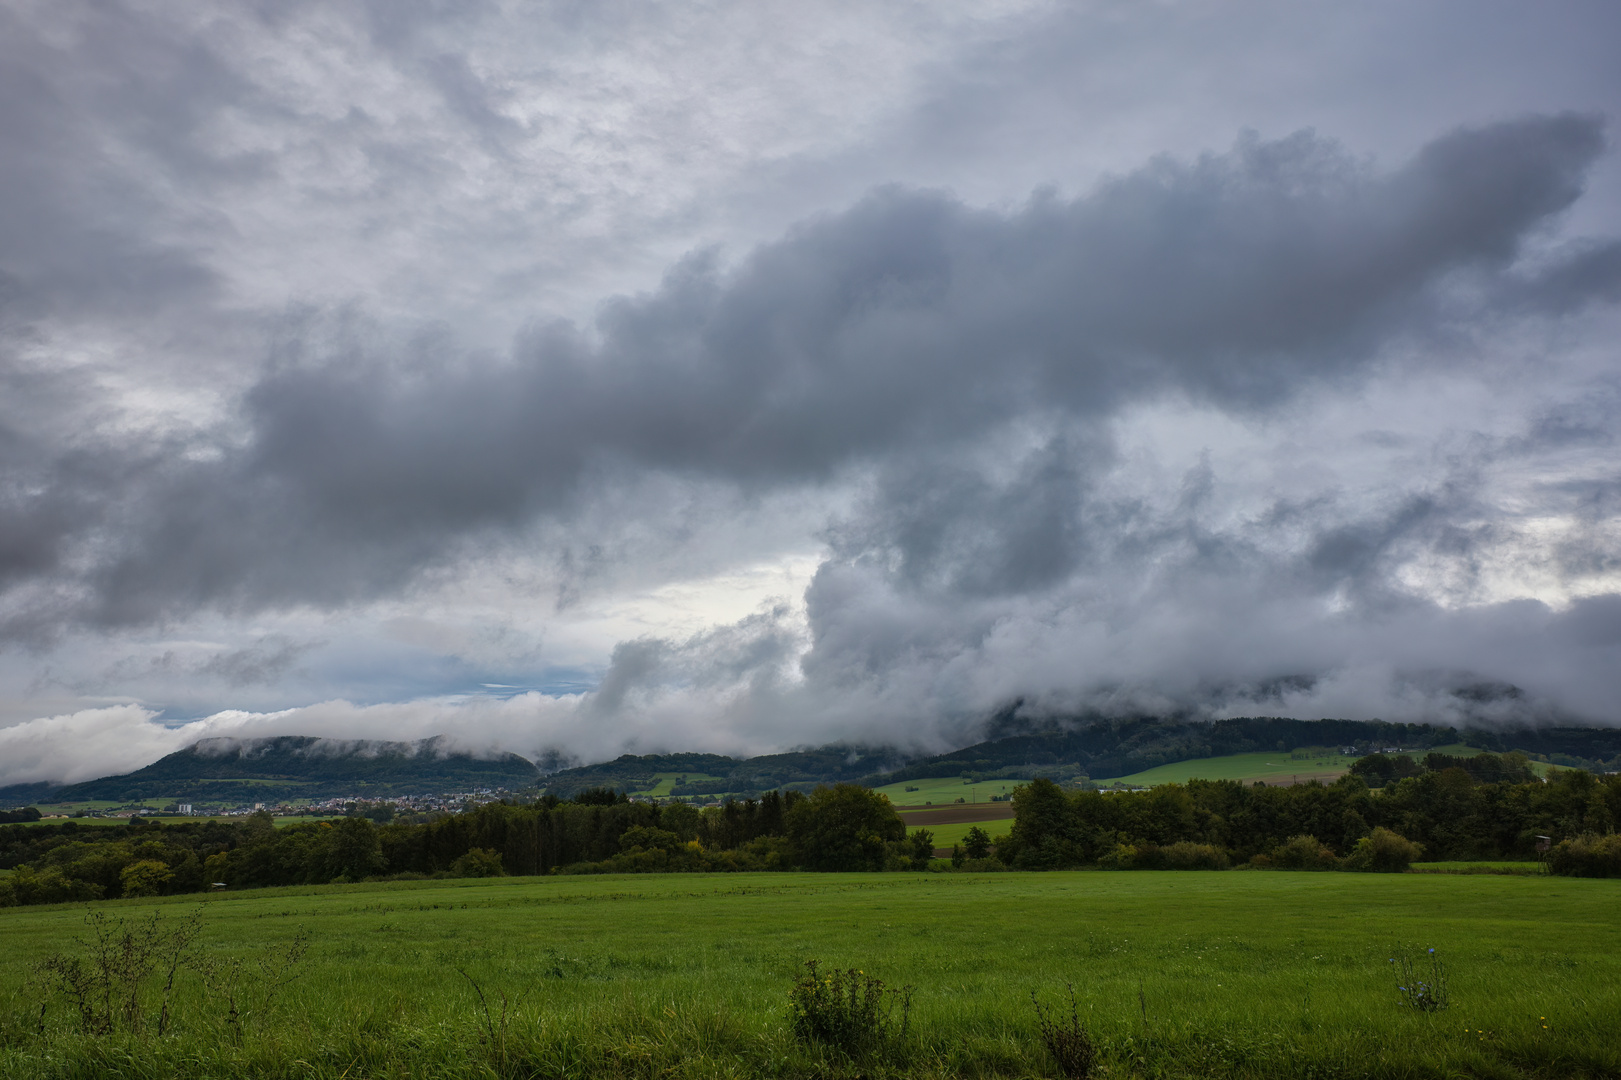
(1108, 748)
(1098, 748)
(705, 774)
(262, 770)
(1103, 748)
(303, 766)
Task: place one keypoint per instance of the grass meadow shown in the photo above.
(667, 781)
(1273, 767)
(946, 791)
(1249, 974)
(953, 833)
(1276, 767)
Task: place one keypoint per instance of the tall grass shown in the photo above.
(1240, 974)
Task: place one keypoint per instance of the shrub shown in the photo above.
(1380, 769)
(843, 827)
(641, 837)
(921, 844)
(1186, 855)
(1069, 1043)
(1588, 855)
(146, 877)
(848, 1010)
(1123, 857)
(49, 885)
(1301, 853)
(1182, 855)
(480, 862)
(1383, 852)
(107, 985)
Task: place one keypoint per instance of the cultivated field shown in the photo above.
(1274, 767)
(946, 792)
(950, 824)
(1243, 973)
(667, 780)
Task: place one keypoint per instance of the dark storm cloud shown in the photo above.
(908, 323)
(82, 236)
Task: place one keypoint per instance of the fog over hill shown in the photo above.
(625, 379)
(228, 770)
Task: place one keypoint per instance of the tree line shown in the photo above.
(842, 827)
(1475, 808)
(1444, 812)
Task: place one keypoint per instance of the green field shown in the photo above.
(94, 805)
(1276, 766)
(946, 835)
(946, 792)
(1272, 767)
(1254, 974)
(1479, 867)
(666, 781)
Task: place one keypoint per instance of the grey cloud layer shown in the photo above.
(907, 324)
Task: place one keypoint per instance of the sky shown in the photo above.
(581, 379)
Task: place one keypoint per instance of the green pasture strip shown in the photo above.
(1253, 974)
(70, 807)
(1541, 768)
(945, 792)
(1273, 767)
(667, 780)
(1480, 867)
(946, 835)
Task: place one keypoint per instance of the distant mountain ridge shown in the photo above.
(232, 770)
(1100, 748)
(827, 764)
(235, 771)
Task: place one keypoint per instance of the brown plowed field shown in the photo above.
(955, 815)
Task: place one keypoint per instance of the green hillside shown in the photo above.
(1268, 766)
(946, 835)
(946, 791)
(229, 771)
(1277, 768)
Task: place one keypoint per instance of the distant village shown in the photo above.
(381, 809)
